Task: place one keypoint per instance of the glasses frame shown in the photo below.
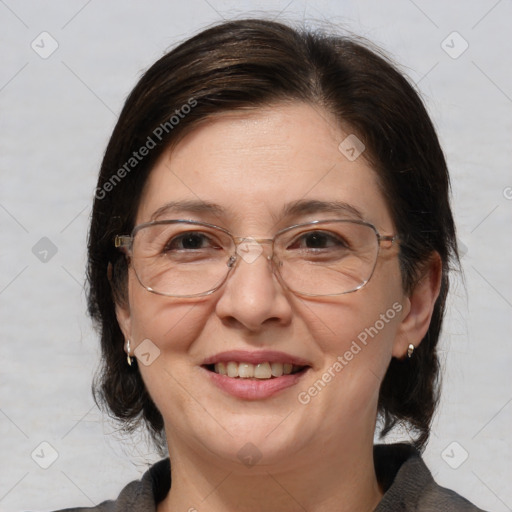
(125, 244)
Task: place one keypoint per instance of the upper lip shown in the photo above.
(255, 357)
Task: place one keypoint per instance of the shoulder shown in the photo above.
(141, 495)
(409, 485)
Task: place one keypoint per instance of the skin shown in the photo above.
(252, 163)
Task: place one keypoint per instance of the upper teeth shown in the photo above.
(258, 371)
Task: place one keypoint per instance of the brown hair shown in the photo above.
(247, 64)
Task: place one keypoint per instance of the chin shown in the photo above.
(249, 441)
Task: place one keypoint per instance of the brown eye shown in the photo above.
(189, 242)
(318, 240)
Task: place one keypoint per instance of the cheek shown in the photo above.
(361, 330)
(356, 342)
(171, 324)
(356, 337)
(373, 312)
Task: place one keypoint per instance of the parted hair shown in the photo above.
(249, 64)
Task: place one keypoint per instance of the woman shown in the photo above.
(268, 267)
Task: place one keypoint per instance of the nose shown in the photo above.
(253, 297)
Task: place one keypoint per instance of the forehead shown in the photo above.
(255, 164)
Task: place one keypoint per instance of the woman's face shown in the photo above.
(252, 166)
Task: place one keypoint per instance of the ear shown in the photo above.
(123, 315)
(419, 306)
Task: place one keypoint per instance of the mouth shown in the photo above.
(252, 375)
(259, 371)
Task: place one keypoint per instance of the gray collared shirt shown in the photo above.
(408, 486)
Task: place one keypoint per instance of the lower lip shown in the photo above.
(254, 389)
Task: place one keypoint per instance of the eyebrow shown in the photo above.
(190, 206)
(308, 206)
(293, 209)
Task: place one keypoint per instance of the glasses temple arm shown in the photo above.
(123, 241)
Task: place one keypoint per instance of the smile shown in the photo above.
(264, 370)
(254, 375)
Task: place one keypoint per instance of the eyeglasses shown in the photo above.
(182, 258)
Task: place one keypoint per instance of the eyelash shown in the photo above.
(325, 237)
(330, 237)
(183, 236)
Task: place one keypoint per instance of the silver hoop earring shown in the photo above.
(410, 350)
(129, 359)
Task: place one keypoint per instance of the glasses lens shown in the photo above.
(181, 259)
(184, 259)
(328, 258)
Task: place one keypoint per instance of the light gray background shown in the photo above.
(56, 117)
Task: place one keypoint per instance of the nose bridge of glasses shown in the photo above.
(240, 239)
(250, 249)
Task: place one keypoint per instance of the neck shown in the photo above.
(332, 480)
